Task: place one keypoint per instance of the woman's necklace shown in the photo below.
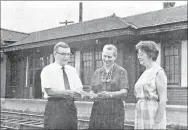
(107, 76)
(108, 69)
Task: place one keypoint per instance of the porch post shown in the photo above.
(51, 58)
(77, 62)
(184, 63)
(26, 71)
(3, 74)
(159, 56)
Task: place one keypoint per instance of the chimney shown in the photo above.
(80, 12)
(168, 4)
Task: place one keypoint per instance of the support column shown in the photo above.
(77, 62)
(159, 56)
(26, 71)
(184, 63)
(51, 58)
(3, 74)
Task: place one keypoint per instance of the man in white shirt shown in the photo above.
(60, 85)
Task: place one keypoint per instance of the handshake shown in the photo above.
(93, 96)
(80, 94)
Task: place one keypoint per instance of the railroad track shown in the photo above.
(17, 121)
(22, 121)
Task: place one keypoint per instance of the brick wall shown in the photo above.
(177, 96)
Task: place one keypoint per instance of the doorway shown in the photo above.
(37, 91)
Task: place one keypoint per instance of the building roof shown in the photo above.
(87, 27)
(10, 35)
(110, 23)
(160, 17)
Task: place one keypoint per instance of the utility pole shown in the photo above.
(66, 22)
(80, 11)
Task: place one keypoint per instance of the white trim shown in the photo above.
(159, 56)
(26, 71)
(51, 58)
(77, 62)
(184, 63)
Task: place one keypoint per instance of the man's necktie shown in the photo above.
(67, 86)
(66, 81)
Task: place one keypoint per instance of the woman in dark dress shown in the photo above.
(109, 86)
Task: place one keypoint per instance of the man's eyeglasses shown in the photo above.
(64, 54)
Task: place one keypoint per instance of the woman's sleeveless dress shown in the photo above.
(148, 100)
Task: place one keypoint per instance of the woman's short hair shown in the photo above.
(150, 47)
(60, 44)
(111, 47)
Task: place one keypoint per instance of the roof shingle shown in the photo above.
(9, 35)
(161, 17)
(97, 25)
(164, 16)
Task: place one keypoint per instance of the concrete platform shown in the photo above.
(176, 115)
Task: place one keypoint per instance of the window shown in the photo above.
(91, 61)
(98, 59)
(172, 63)
(35, 64)
(87, 67)
(72, 60)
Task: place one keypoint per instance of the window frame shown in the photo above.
(72, 59)
(93, 51)
(178, 44)
(33, 69)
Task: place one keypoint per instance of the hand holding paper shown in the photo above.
(87, 95)
(104, 95)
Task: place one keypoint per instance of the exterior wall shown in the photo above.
(178, 95)
(130, 65)
(184, 63)
(3, 74)
(126, 58)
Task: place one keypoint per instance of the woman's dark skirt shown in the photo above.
(60, 113)
(107, 114)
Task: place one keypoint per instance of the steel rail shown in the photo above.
(18, 120)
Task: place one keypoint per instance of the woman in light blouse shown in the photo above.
(150, 89)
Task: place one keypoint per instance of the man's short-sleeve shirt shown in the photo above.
(52, 77)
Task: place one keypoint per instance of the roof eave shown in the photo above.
(88, 36)
(162, 28)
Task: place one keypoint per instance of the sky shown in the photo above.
(31, 16)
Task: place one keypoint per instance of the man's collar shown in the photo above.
(59, 66)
